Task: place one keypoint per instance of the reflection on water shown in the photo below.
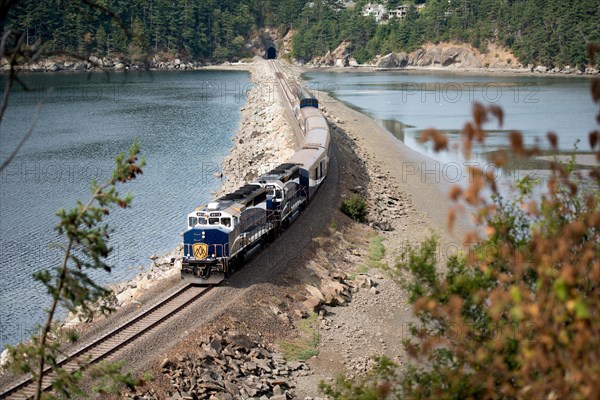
(395, 127)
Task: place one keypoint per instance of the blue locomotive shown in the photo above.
(227, 232)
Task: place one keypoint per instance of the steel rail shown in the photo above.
(112, 341)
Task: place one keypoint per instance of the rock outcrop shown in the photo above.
(445, 55)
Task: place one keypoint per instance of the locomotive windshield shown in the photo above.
(213, 221)
(226, 222)
(273, 191)
(193, 221)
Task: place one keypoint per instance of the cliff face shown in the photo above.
(453, 55)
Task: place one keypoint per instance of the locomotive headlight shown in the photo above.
(203, 234)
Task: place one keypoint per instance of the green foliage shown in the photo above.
(305, 345)
(69, 284)
(355, 207)
(538, 31)
(376, 252)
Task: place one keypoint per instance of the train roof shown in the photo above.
(308, 158)
(311, 112)
(245, 196)
(317, 137)
(283, 172)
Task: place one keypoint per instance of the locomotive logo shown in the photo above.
(200, 250)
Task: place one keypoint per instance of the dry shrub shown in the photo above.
(518, 316)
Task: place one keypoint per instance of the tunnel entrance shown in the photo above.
(271, 53)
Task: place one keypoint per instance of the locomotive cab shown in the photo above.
(284, 193)
(221, 235)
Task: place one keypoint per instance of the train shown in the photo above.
(224, 234)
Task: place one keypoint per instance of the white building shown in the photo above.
(400, 12)
(376, 10)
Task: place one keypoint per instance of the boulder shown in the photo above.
(4, 358)
(315, 292)
(343, 62)
(119, 66)
(541, 69)
(312, 304)
(402, 59)
(387, 61)
(334, 293)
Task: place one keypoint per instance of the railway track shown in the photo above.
(283, 83)
(113, 341)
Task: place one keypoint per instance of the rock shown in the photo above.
(387, 61)
(4, 358)
(353, 63)
(402, 59)
(541, 69)
(96, 61)
(592, 71)
(373, 290)
(232, 388)
(383, 226)
(342, 62)
(295, 365)
(215, 346)
(333, 293)
(312, 303)
(119, 66)
(125, 296)
(315, 292)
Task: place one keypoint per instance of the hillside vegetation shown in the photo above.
(549, 32)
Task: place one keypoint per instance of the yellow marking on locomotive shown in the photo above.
(200, 250)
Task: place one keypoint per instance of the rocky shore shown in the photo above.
(444, 56)
(118, 64)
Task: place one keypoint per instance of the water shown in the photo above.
(184, 122)
(408, 102)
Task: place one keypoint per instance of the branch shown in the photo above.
(59, 287)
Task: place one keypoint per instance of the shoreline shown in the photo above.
(176, 65)
(447, 71)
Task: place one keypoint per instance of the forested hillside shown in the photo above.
(550, 32)
(200, 29)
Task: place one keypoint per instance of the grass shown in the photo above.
(376, 253)
(305, 346)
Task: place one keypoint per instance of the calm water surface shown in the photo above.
(405, 103)
(184, 122)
